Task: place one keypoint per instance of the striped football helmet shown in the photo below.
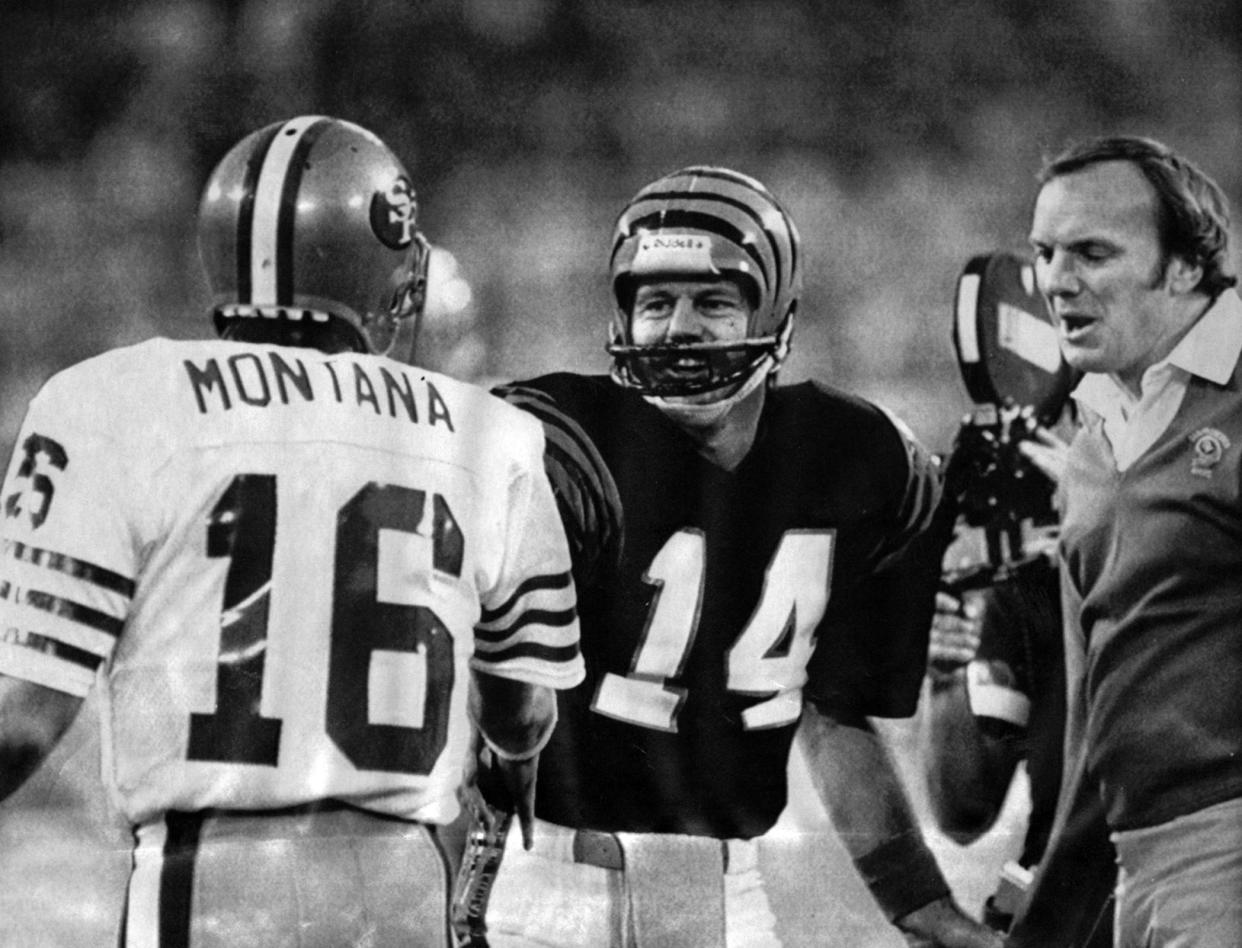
(705, 222)
(314, 219)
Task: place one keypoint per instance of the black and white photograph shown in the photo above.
(620, 474)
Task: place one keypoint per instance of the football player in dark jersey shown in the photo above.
(770, 572)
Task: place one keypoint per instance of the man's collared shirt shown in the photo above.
(1209, 350)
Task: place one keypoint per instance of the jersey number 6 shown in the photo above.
(242, 528)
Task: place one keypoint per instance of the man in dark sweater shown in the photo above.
(1131, 247)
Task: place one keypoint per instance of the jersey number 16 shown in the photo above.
(242, 528)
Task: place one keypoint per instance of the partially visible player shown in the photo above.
(767, 571)
(294, 567)
(997, 704)
(997, 700)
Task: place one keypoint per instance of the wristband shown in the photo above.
(993, 693)
(902, 875)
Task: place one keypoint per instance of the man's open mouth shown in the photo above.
(1074, 323)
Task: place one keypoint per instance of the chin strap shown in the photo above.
(706, 414)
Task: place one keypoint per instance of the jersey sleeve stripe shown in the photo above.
(560, 654)
(57, 628)
(923, 484)
(24, 575)
(532, 585)
(62, 608)
(563, 618)
(587, 498)
(45, 669)
(568, 435)
(563, 637)
(45, 645)
(564, 432)
(78, 569)
(569, 455)
(520, 394)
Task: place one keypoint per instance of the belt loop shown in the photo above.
(602, 850)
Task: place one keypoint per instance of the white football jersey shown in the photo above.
(280, 566)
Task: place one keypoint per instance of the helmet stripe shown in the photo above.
(288, 211)
(271, 198)
(747, 209)
(245, 211)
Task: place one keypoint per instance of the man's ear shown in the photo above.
(1182, 276)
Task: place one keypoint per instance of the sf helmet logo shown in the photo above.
(394, 213)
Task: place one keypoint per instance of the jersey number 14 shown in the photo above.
(770, 655)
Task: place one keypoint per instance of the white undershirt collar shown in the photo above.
(1210, 350)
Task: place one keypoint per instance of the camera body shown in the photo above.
(999, 492)
(1009, 355)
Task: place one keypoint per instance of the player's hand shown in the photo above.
(1047, 452)
(510, 785)
(519, 780)
(954, 632)
(941, 924)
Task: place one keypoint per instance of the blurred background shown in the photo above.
(902, 135)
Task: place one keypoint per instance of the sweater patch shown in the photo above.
(1210, 446)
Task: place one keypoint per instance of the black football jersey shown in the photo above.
(726, 598)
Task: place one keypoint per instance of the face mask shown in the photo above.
(707, 414)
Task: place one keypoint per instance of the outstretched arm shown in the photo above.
(33, 719)
(515, 720)
(863, 794)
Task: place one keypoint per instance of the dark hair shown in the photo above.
(1192, 216)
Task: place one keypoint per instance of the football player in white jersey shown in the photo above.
(295, 568)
